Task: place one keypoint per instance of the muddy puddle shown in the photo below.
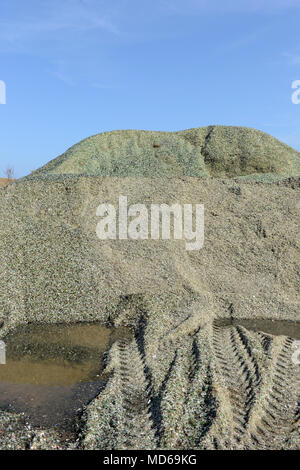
(53, 371)
(271, 327)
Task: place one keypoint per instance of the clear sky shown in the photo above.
(73, 68)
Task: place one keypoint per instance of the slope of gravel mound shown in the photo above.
(224, 151)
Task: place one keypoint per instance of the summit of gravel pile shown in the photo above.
(222, 151)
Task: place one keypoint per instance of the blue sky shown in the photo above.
(74, 68)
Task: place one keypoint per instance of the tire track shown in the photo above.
(279, 416)
(188, 402)
(137, 417)
(241, 376)
(223, 387)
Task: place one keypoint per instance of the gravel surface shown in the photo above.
(54, 269)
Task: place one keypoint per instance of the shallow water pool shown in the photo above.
(52, 371)
(269, 326)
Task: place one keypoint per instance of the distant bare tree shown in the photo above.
(9, 172)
